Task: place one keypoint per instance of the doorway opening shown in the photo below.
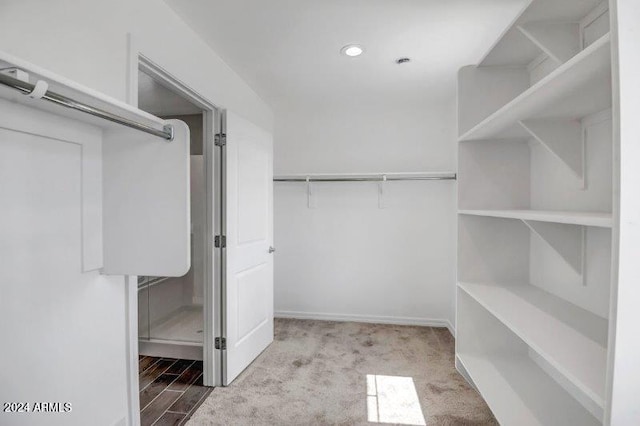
(171, 309)
(176, 315)
(232, 224)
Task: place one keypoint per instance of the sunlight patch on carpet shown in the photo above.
(393, 399)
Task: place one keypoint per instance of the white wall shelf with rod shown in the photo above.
(535, 219)
(135, 210)
(380, 178)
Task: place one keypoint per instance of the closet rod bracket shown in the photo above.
(168, 129)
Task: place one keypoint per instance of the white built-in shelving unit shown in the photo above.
(535, 223)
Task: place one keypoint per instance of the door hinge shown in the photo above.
(220, 139)
(220, 241)
(221, 343)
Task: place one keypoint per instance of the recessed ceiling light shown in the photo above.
(352, 50)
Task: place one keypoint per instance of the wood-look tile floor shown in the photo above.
(170, 390)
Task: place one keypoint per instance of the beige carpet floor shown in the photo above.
(345, 373)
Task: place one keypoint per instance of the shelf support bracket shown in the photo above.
(568, 241)
(310, 199)
(558, 40)
(381, 187)
(564, 139)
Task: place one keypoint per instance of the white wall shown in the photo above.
(87, 42)
(347, 258)
(624, 384)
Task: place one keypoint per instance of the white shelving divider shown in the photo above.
(531, 318)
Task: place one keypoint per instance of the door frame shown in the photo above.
(212, 118)
(211, 122)
(220, 229)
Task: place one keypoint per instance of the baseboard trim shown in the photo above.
(464, 373)
(451, 328)
(375, 319)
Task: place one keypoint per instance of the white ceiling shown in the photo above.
(158, 100)
(289, 50)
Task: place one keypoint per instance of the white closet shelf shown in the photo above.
(576, 89)
(600, 220)
(521, 393)
(571, 339)
(513, 47)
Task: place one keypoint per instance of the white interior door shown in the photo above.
(249, 235)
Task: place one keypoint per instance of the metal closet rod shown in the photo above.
(27, 88)
(377, 177)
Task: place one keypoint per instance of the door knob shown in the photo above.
(271, 249)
